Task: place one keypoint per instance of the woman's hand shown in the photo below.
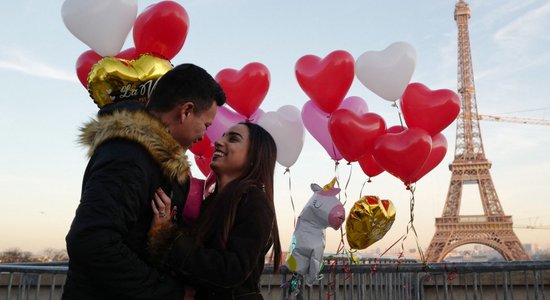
(161, 204)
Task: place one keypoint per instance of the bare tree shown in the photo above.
(15, 255)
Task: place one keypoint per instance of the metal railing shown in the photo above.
(389, 279)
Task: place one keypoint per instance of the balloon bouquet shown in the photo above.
(110, 74)
(346, 129)
(342, 125)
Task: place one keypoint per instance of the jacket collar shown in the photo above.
(141, 127)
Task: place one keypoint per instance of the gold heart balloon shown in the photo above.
(114, 79)
(368, 221)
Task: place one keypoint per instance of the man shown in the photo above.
(133, 151)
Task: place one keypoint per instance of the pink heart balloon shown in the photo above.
(403, 154)
(226, 118)
(316, 122)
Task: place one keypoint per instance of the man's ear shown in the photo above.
(186, 108)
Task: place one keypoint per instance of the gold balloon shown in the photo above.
(114, 79)
(368, 221)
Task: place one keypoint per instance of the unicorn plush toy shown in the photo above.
(308, 241)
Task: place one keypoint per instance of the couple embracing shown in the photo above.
(129, 238)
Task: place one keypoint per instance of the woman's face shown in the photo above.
(231, 152)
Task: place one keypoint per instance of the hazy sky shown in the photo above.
(43, 104)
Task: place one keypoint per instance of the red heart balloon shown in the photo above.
(203, 150)
(354, 135)
(395, 129)
(439, 149)
(430, 110)
(84, 65)
(128, 54)
(203, 147)
(326, 81)
(245, 89)
(161, 29)
(203, 162)
(403, 154)
(369, 166)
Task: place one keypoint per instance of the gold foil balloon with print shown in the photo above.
(368, 221)
(114, 79)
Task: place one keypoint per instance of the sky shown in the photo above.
(43, 104)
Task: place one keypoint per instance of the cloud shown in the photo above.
(19, 61)
(527, 29)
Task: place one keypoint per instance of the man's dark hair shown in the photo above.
(186, 83)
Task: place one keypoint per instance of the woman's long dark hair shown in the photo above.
(219, 215)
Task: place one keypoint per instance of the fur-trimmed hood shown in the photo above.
(141, 127)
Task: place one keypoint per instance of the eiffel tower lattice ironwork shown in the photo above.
(470, 166)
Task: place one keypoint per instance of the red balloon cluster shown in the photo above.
(408, 153)
(160, 30)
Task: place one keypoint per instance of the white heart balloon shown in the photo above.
(103, 25)
(388, 72)
(287, 129)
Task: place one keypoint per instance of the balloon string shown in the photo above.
(410, 227)
(420, 252)
(336, 175)
(398, 113)
(291, 199)
(361, 191)
(347, 183)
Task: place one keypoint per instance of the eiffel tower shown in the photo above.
(470, 166)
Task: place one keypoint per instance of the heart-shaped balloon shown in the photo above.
(439, 149)
(203, 147)
(353, 134)
(403, 154)
(245, 89)
(395, 129)
(103, 25)
(369, 166)
(203, 151)
(287, 129)
(430, 110)
(326, 81)
(203, 162)
(113, 79)
(316, 122)
(84, 65)
(226, 118)
(368, 221)
(128, 54)
(387, 73)
(161, 29)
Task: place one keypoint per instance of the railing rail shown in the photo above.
(392, 279)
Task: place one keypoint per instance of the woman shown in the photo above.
(222, 254)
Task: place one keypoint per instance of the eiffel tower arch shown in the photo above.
(470, 166)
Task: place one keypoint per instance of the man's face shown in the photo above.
(193, 127)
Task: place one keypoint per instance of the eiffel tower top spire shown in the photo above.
(469, 144)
